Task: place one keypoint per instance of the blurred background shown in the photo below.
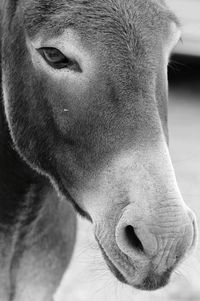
(88, 278)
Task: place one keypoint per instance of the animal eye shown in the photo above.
(57, 60)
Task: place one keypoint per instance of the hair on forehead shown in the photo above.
(56, 15)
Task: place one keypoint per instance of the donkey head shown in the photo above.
(85, 92)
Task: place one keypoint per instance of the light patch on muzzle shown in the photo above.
(140, 219)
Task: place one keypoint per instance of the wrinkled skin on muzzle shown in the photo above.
(153, 228)
(101, 134)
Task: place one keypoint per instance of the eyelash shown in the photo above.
(57, 60)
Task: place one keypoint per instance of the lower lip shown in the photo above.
(111, 266)
(153, 282)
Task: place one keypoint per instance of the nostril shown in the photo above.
(132, 239)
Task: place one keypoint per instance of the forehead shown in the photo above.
(124, 17)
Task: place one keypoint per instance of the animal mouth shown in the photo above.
(111, 265)
(152, 281)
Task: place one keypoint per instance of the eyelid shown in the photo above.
(64, 62)
(49, 48)
(42, 50)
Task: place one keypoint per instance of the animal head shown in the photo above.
(85, 94)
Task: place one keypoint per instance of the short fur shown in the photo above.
(39, 147)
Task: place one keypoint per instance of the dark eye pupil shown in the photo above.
(56, 59)
(53, 55)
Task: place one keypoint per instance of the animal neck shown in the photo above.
(16, 177)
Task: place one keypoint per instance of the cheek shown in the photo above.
(64, 105)
(69, 101)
